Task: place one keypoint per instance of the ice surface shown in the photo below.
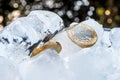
(20, 33)
(94, 63)
(115, 49)
(69, 47)
(99, 62)
(16, 38)
(8, 71)
(115, 38)
(105, 41)
(51, 21)
(45, 66)
(26, 31)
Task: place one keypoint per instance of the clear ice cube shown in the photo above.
(8, 71)
(45, 66)
(115, 37)
(50, 20)
(94, 63)
(24, 32)
(105, 41)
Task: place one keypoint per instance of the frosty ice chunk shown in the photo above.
(95, 63)
(29, 31)
(115, 37)
(45, 66)
(78, 36)
(22, 30)
(19, 34)
(115, 49)
(8, 70)
(50, 21)
(105, 41)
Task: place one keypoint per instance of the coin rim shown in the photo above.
(80, 43)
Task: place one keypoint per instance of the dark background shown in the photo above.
(106, 12)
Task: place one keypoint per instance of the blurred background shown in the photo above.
(106, 12)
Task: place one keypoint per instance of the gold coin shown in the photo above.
(82, 35)
(48, 45)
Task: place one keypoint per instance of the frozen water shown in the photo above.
(115, 38)
(26, 31)
(16, 54)
(115, 49)
(45, 66)
(100, 62)
(16, 38)
(69, 47)
(19, 34)
(95, 63)
(50, 20)
(105, 41)
(8, 70)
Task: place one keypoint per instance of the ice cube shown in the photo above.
(98, 62)
(27, 31)
(22, 30)
(115, 37)
(50, 20)
(8, 71)
(105, 41)
(14, 37)
(94, 63)
(115, 47)
(69, 47)
(45, 66)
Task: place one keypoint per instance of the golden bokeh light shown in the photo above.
(1, 27)
(15, 5)
(100, 11)
(107, 12)
(1, 19)
(15, 14)
(109, 20)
